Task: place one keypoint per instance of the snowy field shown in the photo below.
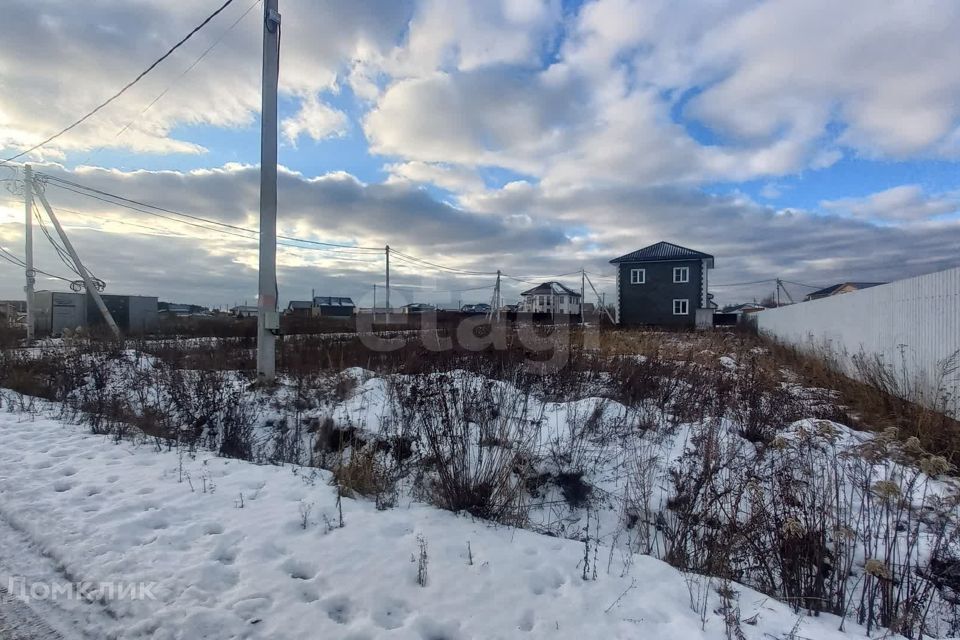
(652, 485)
(239, 550)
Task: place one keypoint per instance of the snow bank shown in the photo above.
(225, 544)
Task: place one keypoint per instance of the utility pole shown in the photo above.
(387, 253)
(607, 311)
(495, 300)
(28, 249)
(583, 277)
(268, 321)
(374, 304)
(87, 280)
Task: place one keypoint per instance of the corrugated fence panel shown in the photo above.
(913, 325)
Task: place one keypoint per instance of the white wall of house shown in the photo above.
(912, 324)
(558, 303)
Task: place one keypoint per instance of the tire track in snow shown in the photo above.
(21, 559)
(19, 622)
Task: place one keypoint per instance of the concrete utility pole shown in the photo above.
(583, 277)
(607, 311)
(28, 249)
(387, 252)
(374, 304)
(87, 280)
(495, 300)
(268, 320)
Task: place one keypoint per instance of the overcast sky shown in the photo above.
(810, 140)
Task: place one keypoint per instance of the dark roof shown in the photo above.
(661, 252)
(827, 291)
(549, 288)
(299, 304)
(332, 301)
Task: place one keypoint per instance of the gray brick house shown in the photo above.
(663, 285)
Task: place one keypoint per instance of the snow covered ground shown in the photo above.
(231, 549)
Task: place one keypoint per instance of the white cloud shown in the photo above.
(316, 120)
(80, 53)
(452, 178)
(906, 203)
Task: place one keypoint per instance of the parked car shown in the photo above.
(468, 308)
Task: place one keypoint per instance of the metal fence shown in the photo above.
(913, 325)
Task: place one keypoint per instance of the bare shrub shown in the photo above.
(477, 437)
(368, 473)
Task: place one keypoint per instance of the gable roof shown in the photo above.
(662, 252)
(828, 291)
(332, 301)
(550, 288)
(299, 304)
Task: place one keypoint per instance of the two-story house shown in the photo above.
(663, 284)
(550, 297)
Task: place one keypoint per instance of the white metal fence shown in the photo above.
(913, 325)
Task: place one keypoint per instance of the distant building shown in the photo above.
(550, 297)
(177, 310)
(300, 308)
(664, 285)
(55, 311)
(13, 306)
(333, 306)
(244, 311)
(417, 307)
(843, 287)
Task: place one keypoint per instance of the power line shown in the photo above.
(60, 182)
(188, 69)
(334, 251)
(800, 284)
(443, 267)
(125, 87)
(10, 257)
(742, 284)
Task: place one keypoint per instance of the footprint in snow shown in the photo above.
(526, 621)
(298, 569)
(61, 486)
(338, 608)
(433, 630)
(213, 529)
(391, 614)
(544, 579)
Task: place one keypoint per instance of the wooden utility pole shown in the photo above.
(28, 248)
(87, 280)
(268, 320)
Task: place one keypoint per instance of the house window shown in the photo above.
(681, 274)
(638, 276)
(681, 307)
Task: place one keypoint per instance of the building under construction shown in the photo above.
(55, 311)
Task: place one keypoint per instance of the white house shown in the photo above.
(550, 297)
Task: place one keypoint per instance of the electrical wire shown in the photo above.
(188, 69)
(438, 266)
(81, 189)
(742, 284)
(61, 251)
(125, 87)
(800, 284)
(9, 257)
